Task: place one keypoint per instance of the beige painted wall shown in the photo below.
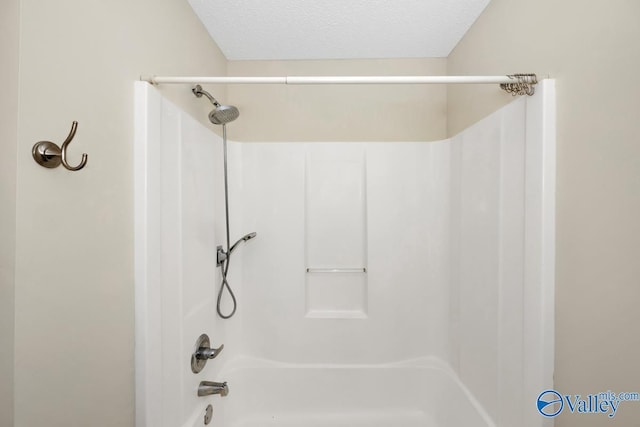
(342, 112)
(591, 49)
(74, 299)
(78, 61)
(9, 31)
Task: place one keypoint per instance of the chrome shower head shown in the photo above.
(221, 114)
(249, 236)
(244, 238)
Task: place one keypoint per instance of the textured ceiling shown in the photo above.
(337, 29)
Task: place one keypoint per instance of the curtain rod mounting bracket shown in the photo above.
(524, 84)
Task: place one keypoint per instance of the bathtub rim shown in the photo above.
(246, 362)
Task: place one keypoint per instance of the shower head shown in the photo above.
(221, 114)
(249, 236)
(242, 239)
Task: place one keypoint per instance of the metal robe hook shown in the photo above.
(49, 155)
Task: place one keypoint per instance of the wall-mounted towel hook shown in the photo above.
(49, 155)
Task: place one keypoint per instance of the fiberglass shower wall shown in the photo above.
(452, 235)
(349, 267)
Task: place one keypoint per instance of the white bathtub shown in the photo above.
(420, 393)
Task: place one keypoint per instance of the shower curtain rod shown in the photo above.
(520, 84)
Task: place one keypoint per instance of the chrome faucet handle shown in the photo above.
(203, 353)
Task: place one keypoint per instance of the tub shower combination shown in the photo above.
(404, 284)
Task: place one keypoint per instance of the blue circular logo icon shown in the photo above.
(550, 403)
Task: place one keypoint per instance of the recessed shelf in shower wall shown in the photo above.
(335, 232)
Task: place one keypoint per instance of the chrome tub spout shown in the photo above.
(208, 388)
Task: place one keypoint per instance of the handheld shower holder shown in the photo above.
(221, 256)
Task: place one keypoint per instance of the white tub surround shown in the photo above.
(405, 283)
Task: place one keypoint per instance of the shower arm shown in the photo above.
(197, 91)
